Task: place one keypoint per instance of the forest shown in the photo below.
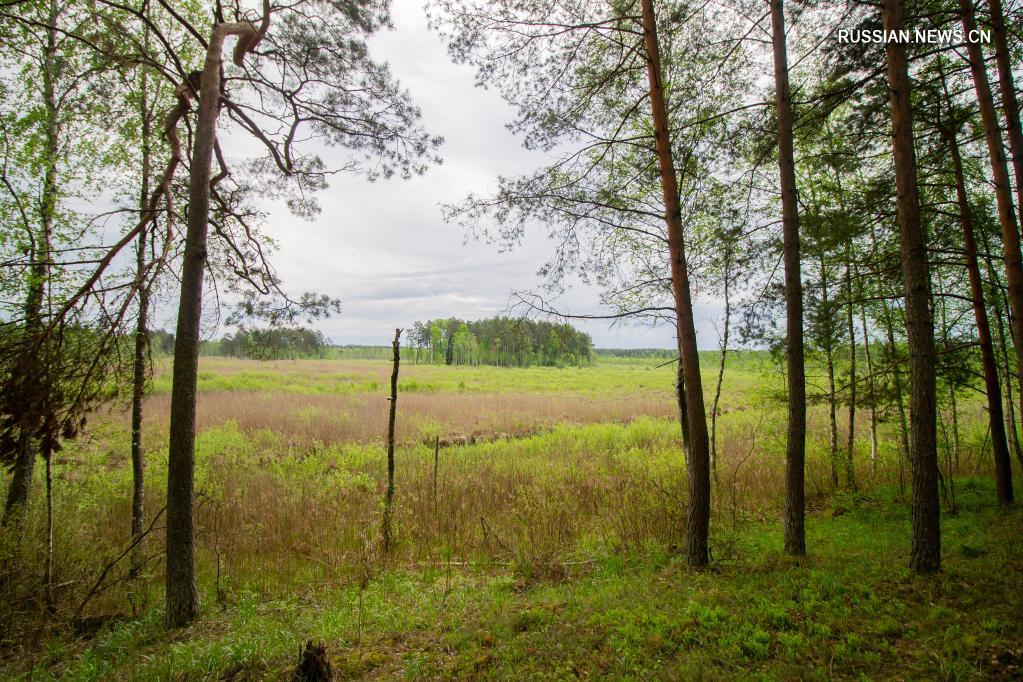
(501, 341)
(820, 203)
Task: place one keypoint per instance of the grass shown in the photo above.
(850, 610)
(346, 377)
(546, 546)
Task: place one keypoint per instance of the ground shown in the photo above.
(541, 544)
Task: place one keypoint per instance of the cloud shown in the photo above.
(383, 247)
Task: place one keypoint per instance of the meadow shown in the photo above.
(538, 521)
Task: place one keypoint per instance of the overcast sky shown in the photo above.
(384, 249)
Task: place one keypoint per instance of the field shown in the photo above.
(540, 540)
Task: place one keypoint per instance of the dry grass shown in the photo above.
(291, 483)
(362, 418)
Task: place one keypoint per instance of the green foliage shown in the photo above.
(504, 341)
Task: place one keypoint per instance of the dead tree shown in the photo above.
(392, 414)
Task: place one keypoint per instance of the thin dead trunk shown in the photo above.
(698, 453)
(392, 414)
(829, 363)
(138, 384)
(850, 476)
(795, 443)
(48, 567)
(900, 401)
(1002, 185)
(947, 480)
(871, 388)
(721, 367)
(680, 397)
(996, 418)
(925, 552)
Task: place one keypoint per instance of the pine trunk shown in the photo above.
(1002, 185)
(182, 596)
(698, 452)
(996, 416)
(925, 552)
(795, 444)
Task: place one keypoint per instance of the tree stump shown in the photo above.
(313, 664)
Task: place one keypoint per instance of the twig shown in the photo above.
(103, 575)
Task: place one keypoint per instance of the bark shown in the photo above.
(1000, 305)
(947, 482)
(24, 464)
(829, 362)
(871, 388)
(392, 414)
(925, 551)
(138, 385)
(698, 452)
(721, 368)
(795, 444)
(850, 477)
(182, 597)
(996, 416)
(1002, 186)
(1010, 105)
(48, 567)
(680, 396)
(900, 403)
(1003, 355)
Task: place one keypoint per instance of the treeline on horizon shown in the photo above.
(498, 341)
(501, 341)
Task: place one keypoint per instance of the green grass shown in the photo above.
(620, 375)
(851, 610)
(575, 570)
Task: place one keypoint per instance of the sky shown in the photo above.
(384, 249)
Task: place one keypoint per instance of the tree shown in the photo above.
(996, 418)
(925, 551)
(795, 448)
(312, 80)
(587, 76)
(1003, 188)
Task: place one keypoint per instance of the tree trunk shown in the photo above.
(698, 453)
(1002, 185)
(829, 362)
(721, 368)
(871, 388)
(48, 567)
(680, 397)
(24, 464)
(389, 495)
(925, 552)
(182, 597)
(899, 397)
(138, 384)
(1003, 355)
(996, 417)
(850, 476)
(1009, 103)
(947, 480)
(795, 444)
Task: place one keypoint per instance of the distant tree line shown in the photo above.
(666, 353)
(272, 343)
(502, 341)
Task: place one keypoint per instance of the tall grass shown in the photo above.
(290, 484)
